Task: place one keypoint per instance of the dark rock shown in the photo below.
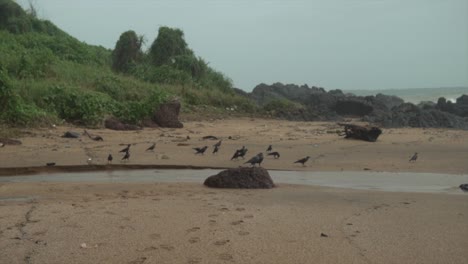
(464, 187)
(115, 124)
(460, 108)
(410, 115)
(71, 134)
(168, 115)
(241, 178)
(353, 107)
(9, 141)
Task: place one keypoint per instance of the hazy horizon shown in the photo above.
(335, 44)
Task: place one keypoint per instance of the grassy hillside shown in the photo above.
(48, 76)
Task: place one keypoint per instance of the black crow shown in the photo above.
(218, 144)
(414, 158)
(151, 147)
(269, 148)
(215, 150)
(200, 150)
(274, 154)
(256, 159)
(109, 159)
(127, 156)
(239, 153)
(303, 161)
(126, 149)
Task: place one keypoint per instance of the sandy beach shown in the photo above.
(440, 150)
(91, 222)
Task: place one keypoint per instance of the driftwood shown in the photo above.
(360, 132)
(95, 138)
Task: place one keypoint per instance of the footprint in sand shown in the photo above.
(212, 215)
(243, 233)
(224, 209)
(155, 236)
(248, 216)
(240, 209)
(194, 260)
(226, 257)
(193, 229)
(152, 248)
(212, 222)
(193, 240)
(139, 260)
(221, 242)
(110, 213)
(237, 222)
(167, 247)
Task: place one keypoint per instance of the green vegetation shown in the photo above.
(284, 105)
(48, 76)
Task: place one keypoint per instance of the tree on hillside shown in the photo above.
(127, 51)
(169, 43)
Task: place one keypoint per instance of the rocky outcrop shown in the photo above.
(264, 93)
(168, 115)
(460, 107)
(410, 115)
(316, 104)
(241, 178)
(115, 124)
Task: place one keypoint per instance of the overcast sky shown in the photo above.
(336, 44)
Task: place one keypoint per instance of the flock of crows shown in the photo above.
(240, 153)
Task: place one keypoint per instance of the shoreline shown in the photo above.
(440, 150)
(20, 171)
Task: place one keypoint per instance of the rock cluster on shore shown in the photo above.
(384, 110)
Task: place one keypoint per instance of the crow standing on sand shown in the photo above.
(109, 159)
(269, 148)
(218, 144)
(215, 150)
(200, 150)
(151, 148)
(414, 158)
(303, 161)
(126, 149)
(239, 153)
(256, 159)
(274, 154)
(127, 156)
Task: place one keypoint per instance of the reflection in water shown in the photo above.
(385, 181)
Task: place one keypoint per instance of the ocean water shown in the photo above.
(417, 95)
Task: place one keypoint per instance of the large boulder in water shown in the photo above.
(168, 115)
(241, 178)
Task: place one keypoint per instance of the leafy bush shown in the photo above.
(168, 44)
(13, 110)
(79, 106)
(167, 75)
(127, 51)
(284, 105)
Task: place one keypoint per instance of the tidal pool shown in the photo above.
(366, 180)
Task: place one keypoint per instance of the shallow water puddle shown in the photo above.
(382, 181)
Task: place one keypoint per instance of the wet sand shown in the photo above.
(188, 223)
(89, 222)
